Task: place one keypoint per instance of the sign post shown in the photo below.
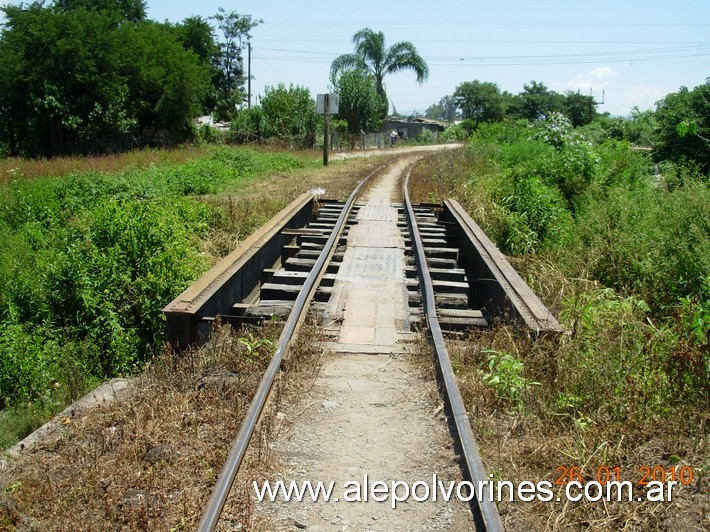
(326, 105)
(326, 121)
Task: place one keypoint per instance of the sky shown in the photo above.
(625, 53)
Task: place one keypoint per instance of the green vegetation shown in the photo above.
(372, 56)
(483, 101)
(89, 261)
(616, 241)
(360, 105)
(619, 253)
(93, 76)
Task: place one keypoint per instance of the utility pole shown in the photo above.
(249, 75)
(325, 105)
(326, 120)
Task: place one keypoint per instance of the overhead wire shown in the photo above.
(617, 56)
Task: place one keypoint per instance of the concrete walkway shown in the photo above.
(370, 290)
(370, 414)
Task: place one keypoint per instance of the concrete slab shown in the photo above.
(339, 347)
(370, 289)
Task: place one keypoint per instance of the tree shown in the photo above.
(536, 102)
(683, 120)
(371, 55)
(360, 105)
(291, 114)
(130, 10)
(59, 79)
(481, 101)
(640, 127)
(197, 35)
(167, 83)
(73, 80)
(444, 110)
(580, 109)
(235, 29)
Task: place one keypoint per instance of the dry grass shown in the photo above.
(529, 443)
(529, 439)
(525, 444)
(150, 460)
(242, 212)
(32, 168)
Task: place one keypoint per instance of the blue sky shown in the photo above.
(635, 51)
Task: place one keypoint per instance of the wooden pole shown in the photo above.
(249, 75)
(326, 119)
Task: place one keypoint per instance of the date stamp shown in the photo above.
(682, 475)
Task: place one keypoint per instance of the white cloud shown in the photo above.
(595, 80)
(608, 86)
(640, 96)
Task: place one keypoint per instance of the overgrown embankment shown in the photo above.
(89, 260)
(620, 252)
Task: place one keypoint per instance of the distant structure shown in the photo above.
(410, 129)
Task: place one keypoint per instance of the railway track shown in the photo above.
(455, 280)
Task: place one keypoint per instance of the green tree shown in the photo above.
(130, 10)
(481, 101)
(360, 105)
(373, 56)
(73, 80)
(167, 82)
(197, 35)
(236, 32)
(291, 114)
(689, 109)
(444, 110)
(580, 109)
(536, 102)
(60, 80)
(640, 127)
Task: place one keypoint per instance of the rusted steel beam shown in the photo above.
(233, 278)
(495, 283)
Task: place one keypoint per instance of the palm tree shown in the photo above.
(372, 56)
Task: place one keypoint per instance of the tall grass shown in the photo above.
(91, 258)
(624, 260)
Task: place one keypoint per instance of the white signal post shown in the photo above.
(326, 104)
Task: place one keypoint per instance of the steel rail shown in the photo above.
(218, 497)
(532, 310)
(488, 518)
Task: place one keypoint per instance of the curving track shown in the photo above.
(448, 247)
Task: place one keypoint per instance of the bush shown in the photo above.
(426, 136)
(89, 261)
(647, 241)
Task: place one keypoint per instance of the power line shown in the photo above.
(622, 56)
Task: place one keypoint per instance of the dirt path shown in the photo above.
(338, 156)
(370, 413)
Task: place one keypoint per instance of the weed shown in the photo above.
(92, 258)
(255, 346)
(622, 257)
(505, 376)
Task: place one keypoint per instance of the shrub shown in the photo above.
(645, 241)
(454, 133)
(90, 259)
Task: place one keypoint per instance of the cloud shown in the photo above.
(608, 86)
(595, 80)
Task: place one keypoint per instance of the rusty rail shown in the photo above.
(218, 498)
(485, 511)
